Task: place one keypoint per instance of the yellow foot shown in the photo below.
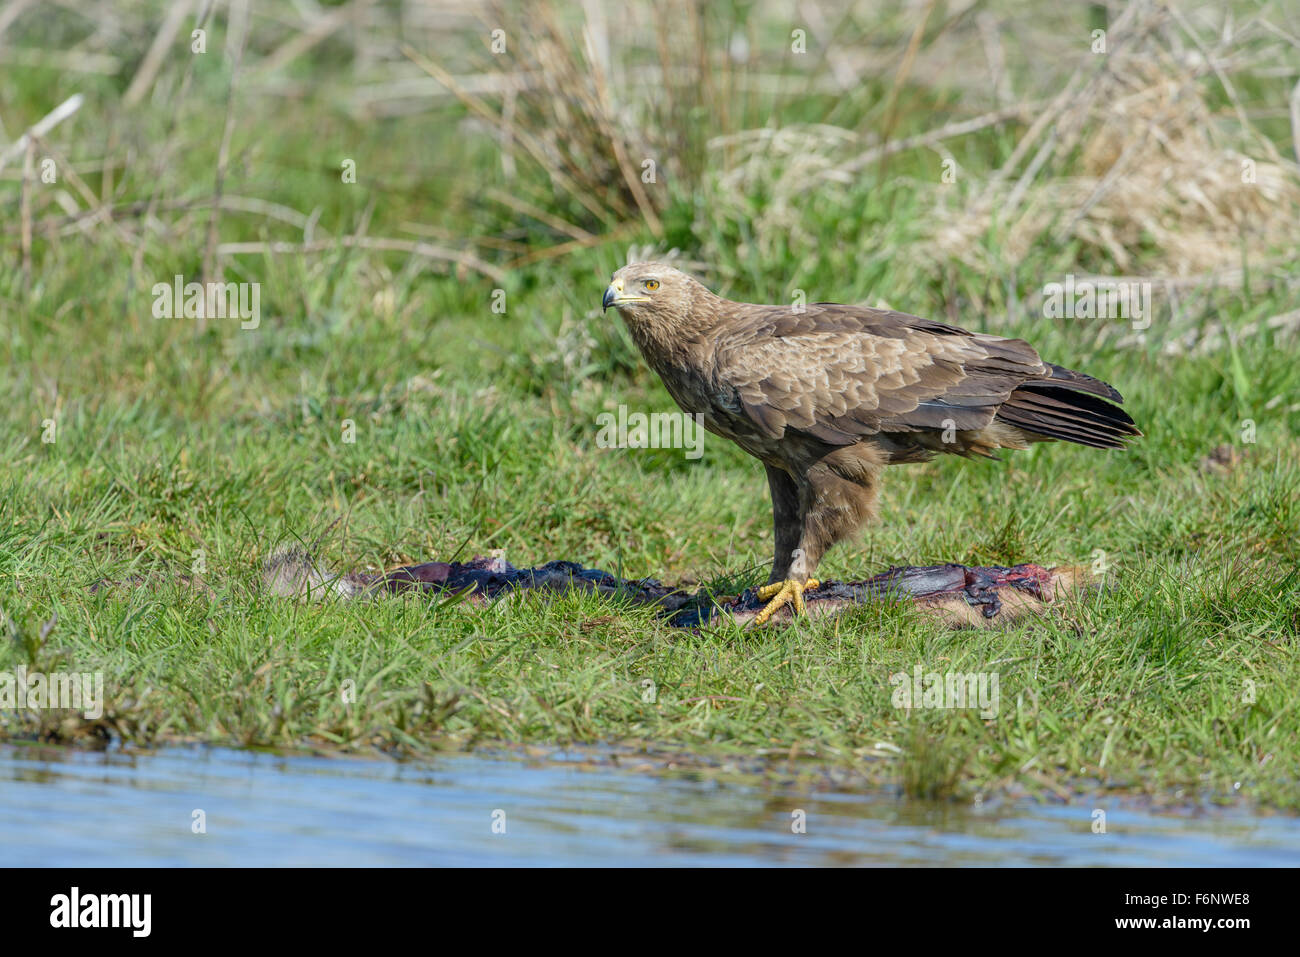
(782, 593)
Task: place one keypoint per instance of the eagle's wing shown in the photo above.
(843, 372)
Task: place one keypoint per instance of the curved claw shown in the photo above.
(783, 593)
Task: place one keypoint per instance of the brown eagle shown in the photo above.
(827, 395)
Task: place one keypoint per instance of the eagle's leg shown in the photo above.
(836, 497)
(785, 520)
(789, 578)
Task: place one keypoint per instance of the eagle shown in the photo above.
(827, 395)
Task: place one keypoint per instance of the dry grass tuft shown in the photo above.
(582, 118)
(764, 190)
(1134, 161)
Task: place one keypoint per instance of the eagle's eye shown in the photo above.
(652, 284)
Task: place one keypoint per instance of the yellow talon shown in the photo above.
(783, 593)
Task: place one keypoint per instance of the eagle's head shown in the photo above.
(651, 290)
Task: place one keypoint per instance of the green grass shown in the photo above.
(476, 430)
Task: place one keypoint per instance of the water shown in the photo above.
(76, 808)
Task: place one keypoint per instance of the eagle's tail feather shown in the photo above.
(1078, 382)
(1071, 407)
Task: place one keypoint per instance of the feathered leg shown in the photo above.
(837, 498)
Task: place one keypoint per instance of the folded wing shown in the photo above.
(844, 372)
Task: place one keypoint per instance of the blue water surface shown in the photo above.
(64, 807)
